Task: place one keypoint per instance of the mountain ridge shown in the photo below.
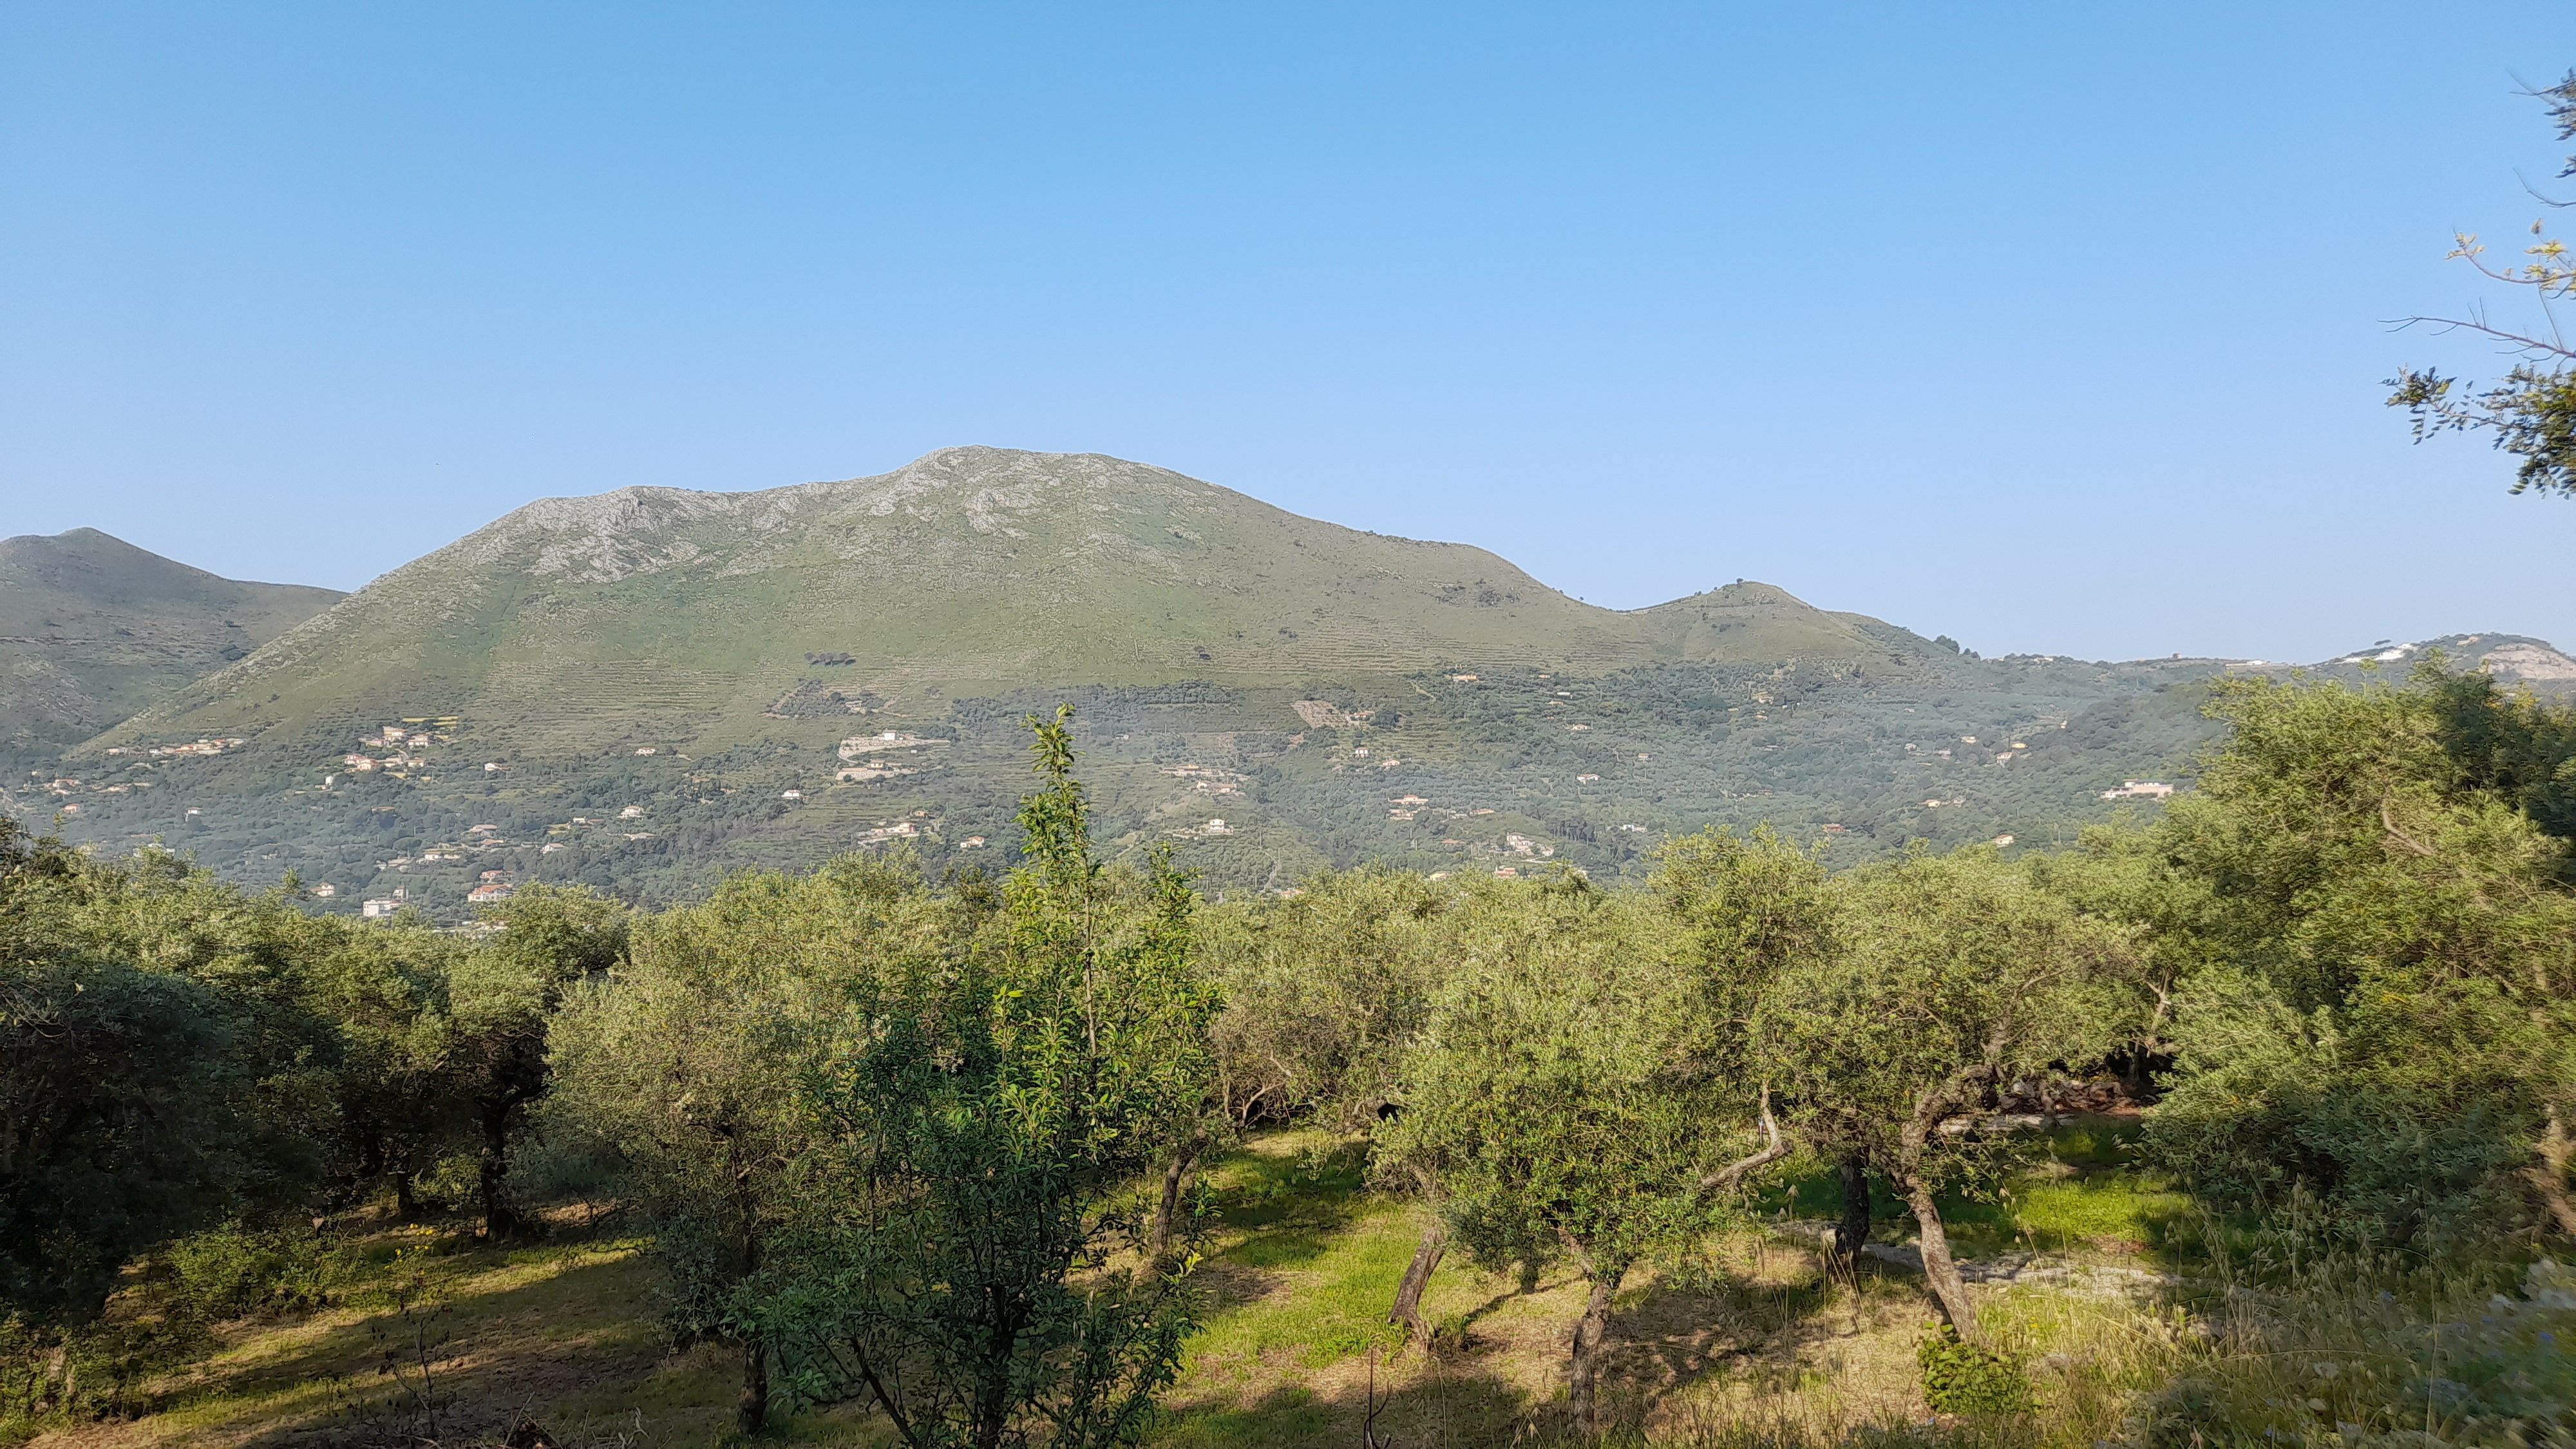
(93, 628)
(968, 569)
(645, 689)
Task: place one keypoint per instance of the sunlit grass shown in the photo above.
(2081, 1189)
(1310, 1259)
(1746, 1343)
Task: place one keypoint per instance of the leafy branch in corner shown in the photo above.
(2531, 412)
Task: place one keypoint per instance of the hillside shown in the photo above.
(646, 689)
(692, 616)
(93, 629)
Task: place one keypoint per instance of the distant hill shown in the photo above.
(93, 629)
(2516, 661)
(664, 614)
(648, 688)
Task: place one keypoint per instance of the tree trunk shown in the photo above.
(405, 1204)
(751, 1411)
(1585, 1368)
(1158, 1239)
(1852, 1231)
(2549, 1175)
(1417, 1276)
(1938, 1268)
(500, 1219)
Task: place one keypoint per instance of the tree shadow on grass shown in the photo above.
(1681, 1331)
(1282, 1192)
(534, 1342)
(1442, 1404)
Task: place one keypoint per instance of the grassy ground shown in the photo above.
(1299, 1266)
(561, 1331)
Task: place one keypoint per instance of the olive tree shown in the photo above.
(2393, 1023)
(1955, 977)
(1325, 991)
(973, 1273)
(164, 1065)
(690, 1063)
(1554, 1101)
(1739, 914)
(501, 997)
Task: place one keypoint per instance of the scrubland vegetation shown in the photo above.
(2251, 1124)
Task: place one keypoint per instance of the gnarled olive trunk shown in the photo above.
(1417, 1276)
(1851, 1232)
(751, 1410)
(1167, 1208)
(1951, 1099)
(1584, 1370)
(500, 1217)
(1939, 1269)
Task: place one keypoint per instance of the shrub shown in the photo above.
(1961, 1378)
(50, 1374)
(234, 1272)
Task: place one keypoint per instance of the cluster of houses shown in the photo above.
(861, 756)
(198, 748)
(495, 886)
(394, 763)
(402, 744)
(1209, 780)
(2140, 790)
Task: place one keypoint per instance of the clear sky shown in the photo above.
(2053, 327)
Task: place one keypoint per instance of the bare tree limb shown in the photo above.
(1773, 1149)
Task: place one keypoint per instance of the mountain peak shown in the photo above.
(968, 569)
(93, 628)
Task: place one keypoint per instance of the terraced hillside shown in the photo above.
(647, 689)
(93, 629)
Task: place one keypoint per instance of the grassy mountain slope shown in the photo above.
(93, 629)
(645, 690)
(693, 615)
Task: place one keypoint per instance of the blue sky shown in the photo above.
(2052, 327)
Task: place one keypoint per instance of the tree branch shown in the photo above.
(2455, 324)
(1773, 1149)
(2389, 821)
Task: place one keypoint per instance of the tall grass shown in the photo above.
(2305, 1340)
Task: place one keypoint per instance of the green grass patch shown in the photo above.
(1328, 1303)
(2082, 1189)
(2123, 1207)
(1304, 1260)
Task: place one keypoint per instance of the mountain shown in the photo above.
(93, 629)
(664, 614)
(2517, 661)
(648, 688)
